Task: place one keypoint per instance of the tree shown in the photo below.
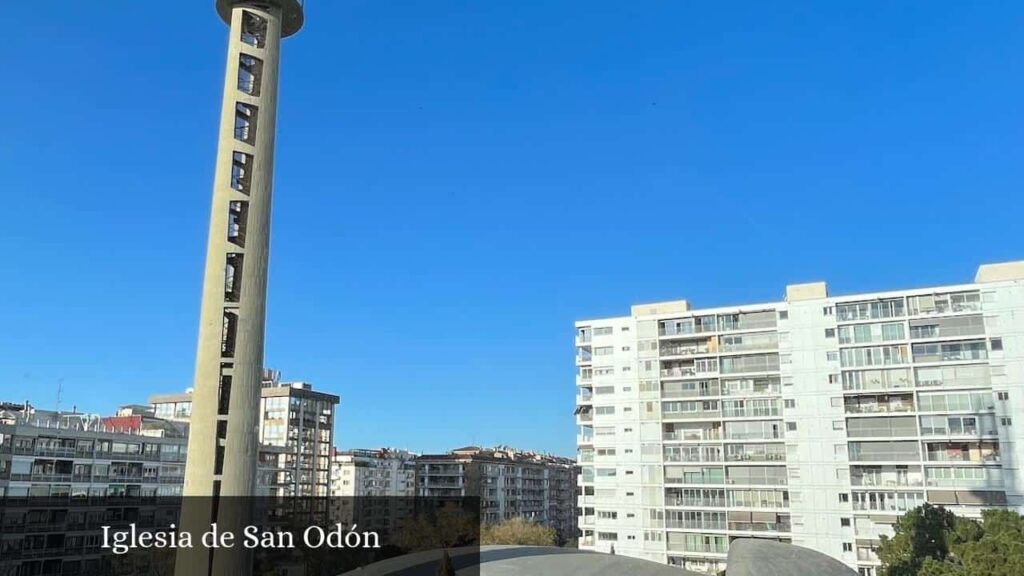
(517, 531)
(921, 533)
(447, 527)
(931, 541)
(999, 549)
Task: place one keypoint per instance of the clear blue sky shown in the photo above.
(457, 182)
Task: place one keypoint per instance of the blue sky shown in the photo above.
(457, 182)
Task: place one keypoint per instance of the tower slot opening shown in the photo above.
(241, 171)
(250, 74)
(224, 395)
(245, 122)
(233, 277)
(222, 429)
(229, 332)
(238, 213)
(218, 464)
(254, 29)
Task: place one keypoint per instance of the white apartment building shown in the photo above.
(815, 420)
(382, 472)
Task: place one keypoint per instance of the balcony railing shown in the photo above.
(879, 408)
(757, 457)
(695, 524)
(988, 458)
(752, 412)
(680, 435)
(698, 415)
(699, 502)
(677, 372)
(761, 526)
(685, 350)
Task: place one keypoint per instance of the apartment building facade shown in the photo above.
(380, 472)
(815, 420)
(510, 484)
(63, 475)
(296, 434)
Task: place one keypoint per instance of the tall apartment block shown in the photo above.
(296, 434)
(815, 420)
(509, 483)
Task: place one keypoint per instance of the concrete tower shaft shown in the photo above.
(223, 441)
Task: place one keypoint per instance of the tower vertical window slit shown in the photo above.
(241, 171)
(233, 277)
(224, 395)
(218, 464)
(254, 29)
(245, 122)
(238, 213)
(250, 74)
(229, 332)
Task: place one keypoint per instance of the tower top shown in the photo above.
(292, 15)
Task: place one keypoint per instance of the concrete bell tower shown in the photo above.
(223, 440)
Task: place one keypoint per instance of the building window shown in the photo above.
(1003, 395)
(827, 310)
(837, 424)
(791, 426)
(832, 356)
(784, 315)
(837, 402)
(844, 497)
(844, 522)
(833, 378)
(790, 403)
(997, 344)
(1006, 421)
(847, 547)
(830, 332)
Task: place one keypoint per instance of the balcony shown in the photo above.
(678, 372)
(984, 452)
(757, 456)
(690, 435)
(694, 502)
(879, 404)
(761, 526)
(751, 412)
(695, 524)
(685, 350)
(957, 352)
